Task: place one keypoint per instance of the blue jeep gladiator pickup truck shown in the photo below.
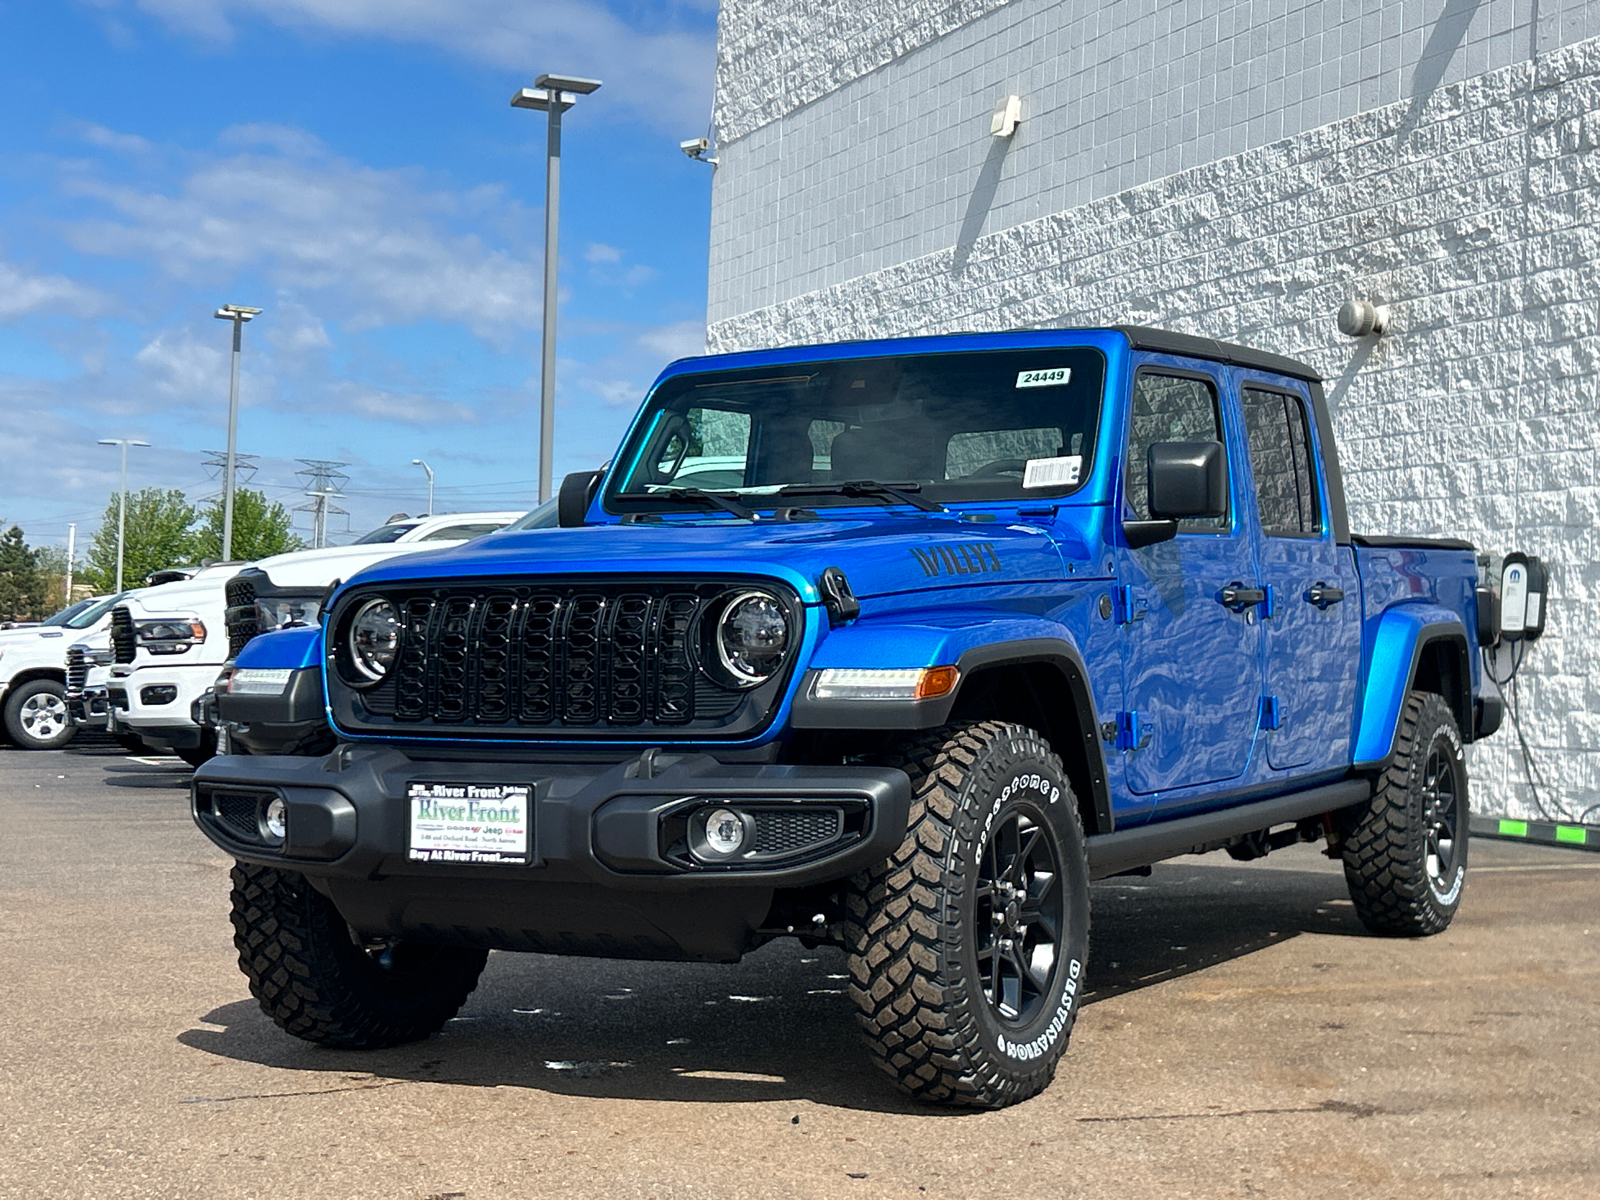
(894, 645)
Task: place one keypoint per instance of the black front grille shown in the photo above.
(239, 811)
(123, 642)
(242, 617)
(592, 657)
(77, 669)
(789, 832)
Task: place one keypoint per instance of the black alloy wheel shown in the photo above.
(1021, 908)
(1441, 817)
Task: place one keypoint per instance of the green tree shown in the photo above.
(22, 584)
(261, 527)
(159, 535)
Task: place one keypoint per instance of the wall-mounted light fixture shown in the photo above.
(1358, 318)
(1007, 116)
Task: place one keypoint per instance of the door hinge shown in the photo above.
(1271, 713)
(1269, 602)
(1131, 732)
(1126, 608)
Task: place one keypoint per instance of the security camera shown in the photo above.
(695, 147)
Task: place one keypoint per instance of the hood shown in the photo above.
(883, 555)
(202, 592)
(314, 570)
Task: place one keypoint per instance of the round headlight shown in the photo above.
(752, 638)
(374, 638)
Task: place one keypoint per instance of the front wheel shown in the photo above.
(1405, 854)
(36, 715)
(317, 979)
(968, 945)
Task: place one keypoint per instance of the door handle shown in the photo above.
(1322, 595)
(1238, 597)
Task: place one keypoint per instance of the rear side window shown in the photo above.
(1169, 408)
(459, 533)
(1280, 458)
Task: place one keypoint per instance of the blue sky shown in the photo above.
(354, 168)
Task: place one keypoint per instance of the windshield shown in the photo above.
(386, 533)
(989, 425)
(96, 610)
(543, 517)
(67, 613)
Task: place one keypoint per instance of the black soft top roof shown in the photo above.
(1162, 341)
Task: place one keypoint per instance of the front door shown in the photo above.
(1192, 658)
(1310, 627)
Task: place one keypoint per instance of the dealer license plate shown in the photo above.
(471, 823)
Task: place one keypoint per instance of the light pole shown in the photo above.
(122, 505)
(553, 95)
(417, 462)
(238, 314)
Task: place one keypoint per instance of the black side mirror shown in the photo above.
(577, 493)
(1187, 479)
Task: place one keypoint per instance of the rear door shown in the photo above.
(1192, 663)
(1310, 626)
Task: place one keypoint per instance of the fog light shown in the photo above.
(725, 833)
(161, 693)
(275, 820)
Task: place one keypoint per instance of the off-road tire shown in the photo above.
(1400, 882)
(315, 981)
(23, 715)
(913, 933)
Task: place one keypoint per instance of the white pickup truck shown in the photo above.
(33, 673)
(169, 643)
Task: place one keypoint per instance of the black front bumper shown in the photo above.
(606, 876)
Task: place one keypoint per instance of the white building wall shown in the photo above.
(1471, 208)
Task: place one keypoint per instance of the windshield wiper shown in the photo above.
(900, 493)
(695, 495)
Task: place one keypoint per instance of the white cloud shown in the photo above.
(110, 139)
(381, 246)
(22, 293)
(656, 59)
(405, 409)
(599, 252)
(681, 339)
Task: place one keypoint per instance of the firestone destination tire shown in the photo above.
(968, 945)
(317, 981)
(1405, 853)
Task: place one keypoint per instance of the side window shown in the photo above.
(707, 448)
(1169, 408)
(459, 533)
(1281, 460)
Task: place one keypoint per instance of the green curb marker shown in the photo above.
(1544, 833)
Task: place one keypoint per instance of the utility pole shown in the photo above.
(122, 505)
(323, 479)
(72, 550)
(552, 95)
(238, 314)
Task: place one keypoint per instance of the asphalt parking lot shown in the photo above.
(1244, 1038)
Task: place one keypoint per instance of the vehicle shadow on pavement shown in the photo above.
(777, 1026)
(130, 774)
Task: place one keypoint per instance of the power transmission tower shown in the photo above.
(324, 480)
(244, 465)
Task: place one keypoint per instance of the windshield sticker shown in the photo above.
(1055, 377)
(1052, 472)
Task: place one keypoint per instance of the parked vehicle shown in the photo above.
(287, 590)
(985, 618)
(33, 674)
(171, 642)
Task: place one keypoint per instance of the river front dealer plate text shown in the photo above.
(484, 823)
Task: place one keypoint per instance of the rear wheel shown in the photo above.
(967, 946)
(36, 715)
(1405, 855)
(317, 979)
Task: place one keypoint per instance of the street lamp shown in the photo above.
(417, 462)
(238, 314)
(553, 95)
(122, 505)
